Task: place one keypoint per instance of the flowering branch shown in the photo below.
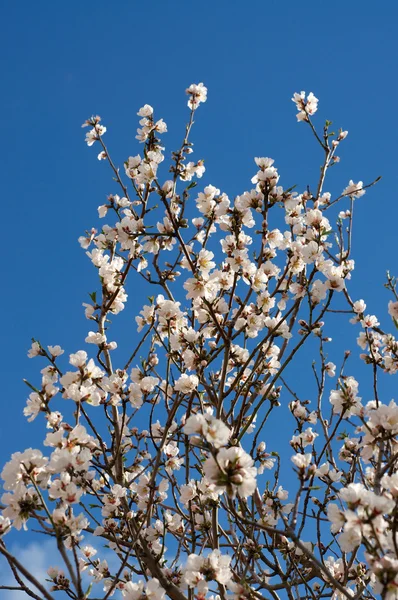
(153, 483)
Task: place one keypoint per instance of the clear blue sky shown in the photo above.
(62, 62)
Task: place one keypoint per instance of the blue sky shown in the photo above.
(62, 62)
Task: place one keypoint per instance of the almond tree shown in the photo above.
(157, 481)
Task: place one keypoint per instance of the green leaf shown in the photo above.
(93, 297)
(31, 386)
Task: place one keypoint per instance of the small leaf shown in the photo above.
(31, 386)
